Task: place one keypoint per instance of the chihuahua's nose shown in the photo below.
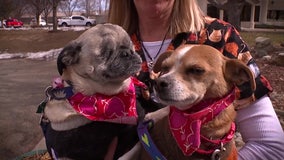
(162, 84)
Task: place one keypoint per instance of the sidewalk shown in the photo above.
(262, 30)
(22, 85)
(40, 145)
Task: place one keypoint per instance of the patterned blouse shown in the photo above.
(225, 38)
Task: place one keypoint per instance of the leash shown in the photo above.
(147, 141)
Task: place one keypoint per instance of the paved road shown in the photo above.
(22, 84)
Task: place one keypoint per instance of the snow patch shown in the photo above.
(43, 55)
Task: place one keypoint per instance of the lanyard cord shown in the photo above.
(146, 51)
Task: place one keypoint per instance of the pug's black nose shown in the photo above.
(125, 53)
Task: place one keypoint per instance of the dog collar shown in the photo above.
(120, 108)
(185, 125)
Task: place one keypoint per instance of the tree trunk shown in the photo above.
(37, 18)
(234, 10)
(87, 8)
(54, 14)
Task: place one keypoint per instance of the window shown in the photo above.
(77, 18)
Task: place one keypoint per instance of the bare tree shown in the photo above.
(85, 5)
(93, 7)
(38, 7)
(106, 5)
(6, 8)
(54, 14)
(19, 8)
(68, 6)
(97, 7)
(233, 9)
(11, 8)
(47, 9)
(100, 6)
(88, 8)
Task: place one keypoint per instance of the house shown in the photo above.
(267, 12)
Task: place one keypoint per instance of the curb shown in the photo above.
(40, 145)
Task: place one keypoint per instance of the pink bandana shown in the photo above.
(185, 125)
(120, 108)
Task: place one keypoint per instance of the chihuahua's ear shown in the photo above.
(69, 55)
(161, 58)
(239, 73)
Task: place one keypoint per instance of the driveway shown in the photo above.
(22, 85)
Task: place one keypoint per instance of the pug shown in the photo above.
(91, 110)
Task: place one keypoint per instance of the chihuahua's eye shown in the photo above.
(195, 70)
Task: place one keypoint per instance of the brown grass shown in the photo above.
(276, 37)
(22, 41)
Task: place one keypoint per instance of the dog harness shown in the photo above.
(120, 108)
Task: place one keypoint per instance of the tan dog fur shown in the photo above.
(198, 73)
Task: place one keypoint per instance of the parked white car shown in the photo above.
(76, 21)
(42, 22)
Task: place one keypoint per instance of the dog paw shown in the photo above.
(157, 115)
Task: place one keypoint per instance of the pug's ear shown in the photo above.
(161, 58)
(69, 55)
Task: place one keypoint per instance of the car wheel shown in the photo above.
(88, 24)
(64, 24)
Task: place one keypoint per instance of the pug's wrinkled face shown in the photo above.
(103, 54)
